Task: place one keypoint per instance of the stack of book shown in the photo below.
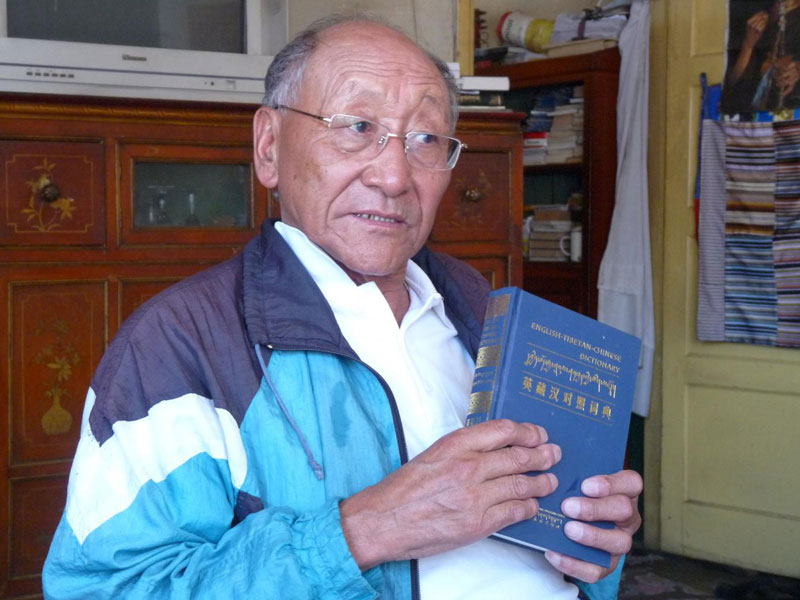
(534, 147)
(565, 139)
(553, 131)
(584, 46)
(482, 93)
(605, 24)
(550, 223)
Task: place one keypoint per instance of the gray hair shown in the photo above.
(285, 74)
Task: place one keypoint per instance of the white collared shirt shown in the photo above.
(430, 374)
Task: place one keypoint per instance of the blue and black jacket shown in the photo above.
(225, 423)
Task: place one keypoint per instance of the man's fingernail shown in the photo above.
(542, 433)
(591, 487)
(573, 530)
(554, 558)
(571, 508)
(557, 452)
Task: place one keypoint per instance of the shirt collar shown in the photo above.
(331, 278)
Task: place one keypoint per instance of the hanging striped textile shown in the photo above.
(750, 291)
(786, 244)
(711, 234)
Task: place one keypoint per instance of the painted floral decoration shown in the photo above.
(47, 207)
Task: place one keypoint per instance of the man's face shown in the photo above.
(370, 215)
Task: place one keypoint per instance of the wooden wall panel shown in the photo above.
(58, 336)
(37, 504)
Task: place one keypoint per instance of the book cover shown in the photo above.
(545, 364)
(484, 83)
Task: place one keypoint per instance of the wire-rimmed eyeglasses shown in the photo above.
(356, 135)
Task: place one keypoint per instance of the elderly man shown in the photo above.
(288, 424)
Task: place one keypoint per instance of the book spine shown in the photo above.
(487, 364)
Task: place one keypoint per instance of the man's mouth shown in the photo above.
(376, 218)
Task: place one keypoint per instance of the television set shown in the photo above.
(195, 50)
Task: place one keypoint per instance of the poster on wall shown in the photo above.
(763, 56)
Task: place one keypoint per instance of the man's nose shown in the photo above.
(390, 169)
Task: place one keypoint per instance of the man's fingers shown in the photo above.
(628, 483)
(506, 513)
(614, 541)
(517, 459)
(617, 509)
(520, 487)
(496, 434)
(579, 569)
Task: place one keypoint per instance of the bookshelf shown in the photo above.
(574, 284)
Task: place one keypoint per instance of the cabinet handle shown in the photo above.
(49, 193)
(473, 194)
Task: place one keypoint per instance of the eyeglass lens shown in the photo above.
(353, 134)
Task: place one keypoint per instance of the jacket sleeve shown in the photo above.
(154, 486)
(144, 521)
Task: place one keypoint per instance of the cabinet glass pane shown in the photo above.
(192, 195)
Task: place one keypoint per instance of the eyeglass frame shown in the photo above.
(383, 140)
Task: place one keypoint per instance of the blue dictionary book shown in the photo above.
(545, 364)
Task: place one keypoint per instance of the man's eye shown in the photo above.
(361, 127)
(424, 139)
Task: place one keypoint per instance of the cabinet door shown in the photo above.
(175, 194)
(56, 323)
(59, 320)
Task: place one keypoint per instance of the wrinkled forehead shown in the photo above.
(369, 64)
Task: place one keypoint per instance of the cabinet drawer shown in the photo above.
(475, 206)
(52, 193)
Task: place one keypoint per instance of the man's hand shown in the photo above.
(467, 485)
(610, 498)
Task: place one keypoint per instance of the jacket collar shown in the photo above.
(284, 308)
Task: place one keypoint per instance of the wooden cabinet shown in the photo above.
(73, 265)
(480, 215)
(575, 284)
(86, 237)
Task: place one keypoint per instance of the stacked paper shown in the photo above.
(565, 140)
(567, 26)
(550, 223)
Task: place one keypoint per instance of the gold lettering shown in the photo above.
(527, 384)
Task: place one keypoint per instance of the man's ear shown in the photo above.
(266, 126)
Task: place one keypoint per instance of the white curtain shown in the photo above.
(625, 286)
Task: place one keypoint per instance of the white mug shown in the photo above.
(575, 243)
